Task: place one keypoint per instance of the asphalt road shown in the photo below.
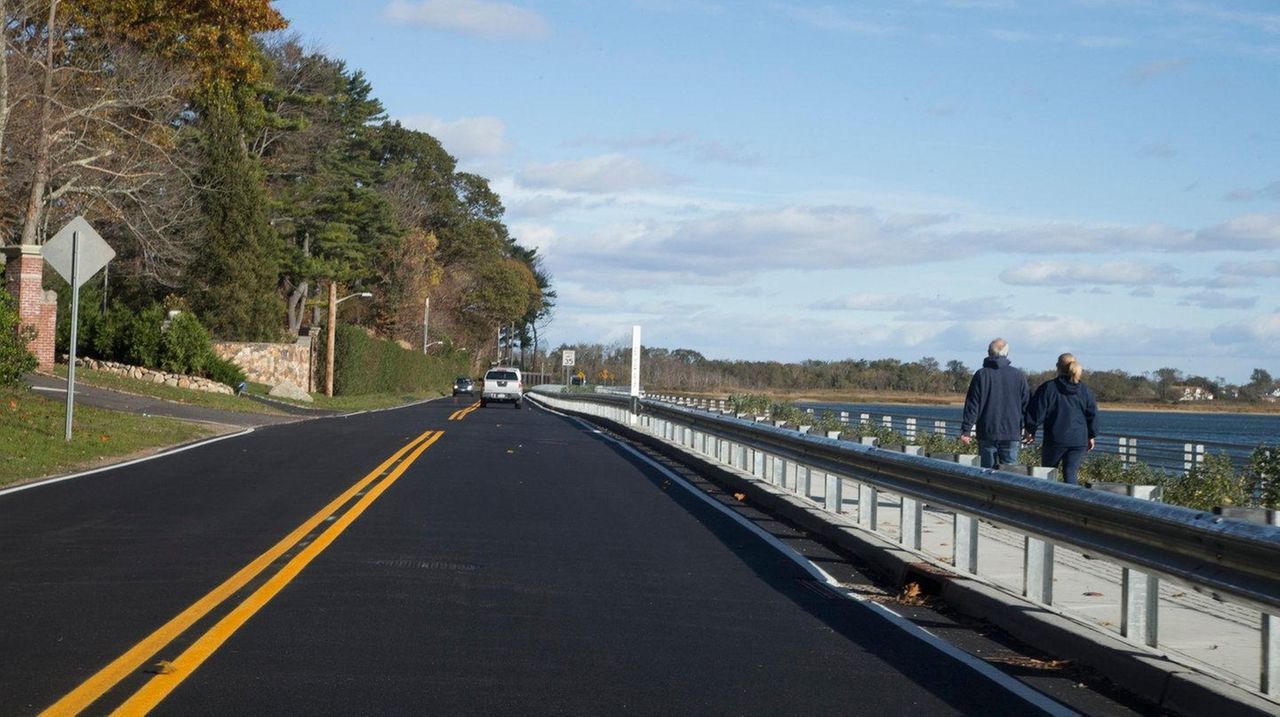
(431, 560)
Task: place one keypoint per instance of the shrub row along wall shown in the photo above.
(161, 377)
(368, 365)
(271, 363)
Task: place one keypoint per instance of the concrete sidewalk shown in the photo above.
(56, 387)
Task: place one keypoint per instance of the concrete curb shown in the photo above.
(1147, 674)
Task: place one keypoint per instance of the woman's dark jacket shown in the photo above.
(1067, 410)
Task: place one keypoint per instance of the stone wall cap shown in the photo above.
(13, 252)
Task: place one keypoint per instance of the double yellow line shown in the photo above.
(181, 667)
(463, 413)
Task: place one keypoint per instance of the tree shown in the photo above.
(233, 282)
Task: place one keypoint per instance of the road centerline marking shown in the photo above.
(159, 686)
(105, 679)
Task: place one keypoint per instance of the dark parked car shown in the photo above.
(464, 385)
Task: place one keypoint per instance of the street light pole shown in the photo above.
(332, 329)
(328, 352)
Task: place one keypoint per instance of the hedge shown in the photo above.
(368, 365)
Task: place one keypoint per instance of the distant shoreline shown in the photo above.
(908, 400)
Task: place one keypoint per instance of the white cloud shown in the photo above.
(1158, 150)
(1251, 232)
(699, 149)
(1271, 191)
(1261, 269)
(602, 174)
(481, 18)
(467, 138)
(1262, 331)
(915, 307)
(1151, 70)
(1218, 300)
(1061, 273)
(827, 17)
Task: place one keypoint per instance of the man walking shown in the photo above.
(998, 395)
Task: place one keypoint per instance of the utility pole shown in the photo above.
(426, 314)
(333, 320)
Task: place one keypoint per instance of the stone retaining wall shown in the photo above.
(271, 363)
(154, 376)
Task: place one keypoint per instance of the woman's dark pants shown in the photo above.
(1069, 456)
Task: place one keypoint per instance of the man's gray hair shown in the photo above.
(998, 347)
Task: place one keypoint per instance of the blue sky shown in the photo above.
(789, 180)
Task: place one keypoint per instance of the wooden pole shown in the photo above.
(333, 320)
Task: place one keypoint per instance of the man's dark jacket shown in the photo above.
(1067, 410)
(996, 402)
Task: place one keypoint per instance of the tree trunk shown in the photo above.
(297, 307)
(40, 172)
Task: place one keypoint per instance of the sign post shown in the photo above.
(567, 359)
(635, 373)
(76, 253)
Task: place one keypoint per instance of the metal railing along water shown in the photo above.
(1228, 563)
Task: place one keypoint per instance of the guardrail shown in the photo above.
(1165, 453)
(1229, 561)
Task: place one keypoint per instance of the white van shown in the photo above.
(502, 384)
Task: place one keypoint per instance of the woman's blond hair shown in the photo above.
(1068, 366)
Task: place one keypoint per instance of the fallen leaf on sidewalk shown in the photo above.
(740, 496)
(1091, 594)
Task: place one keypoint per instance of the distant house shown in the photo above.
(1194, 393)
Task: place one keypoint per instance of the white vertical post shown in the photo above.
(75, 322)
(1139, 596)
(426, 317)
(868, 506)
(965, 557)
(1270, 684)
(911, 521)
(1037, 570)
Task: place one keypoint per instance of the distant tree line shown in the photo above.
(239, 170)
(685, 369)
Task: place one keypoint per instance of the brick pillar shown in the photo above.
(24, 277)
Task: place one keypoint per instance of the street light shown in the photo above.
(333, 322)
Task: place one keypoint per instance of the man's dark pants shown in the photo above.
(994, 453)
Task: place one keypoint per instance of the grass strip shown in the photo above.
(187, 396)
(366, 402)
(32, 429)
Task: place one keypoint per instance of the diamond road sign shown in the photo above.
(94, 251)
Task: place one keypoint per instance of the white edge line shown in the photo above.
(1030, 695)
(113, 466)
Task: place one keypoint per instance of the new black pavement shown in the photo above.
(522, 565)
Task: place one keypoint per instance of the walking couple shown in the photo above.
(1002, 408)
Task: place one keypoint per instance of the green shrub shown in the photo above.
(751, 403)
(15, 359)
(1109, 468)
(140, 339)
(184, 346)
(1211, 483)
(1263, 473)
(225, 372)
(367, 365)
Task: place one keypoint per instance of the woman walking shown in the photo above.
(1069, 413)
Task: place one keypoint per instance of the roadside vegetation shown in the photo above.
(32, 427)
(186, 396)
(926, 380)
(1214, 482)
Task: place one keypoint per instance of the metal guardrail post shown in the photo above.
(868, 506)
(833, 496)
(1037, 566)
(912, 520)
(911, 429)
(1139, 592)
(965, 553)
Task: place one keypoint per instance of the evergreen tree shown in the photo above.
(233, 279)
